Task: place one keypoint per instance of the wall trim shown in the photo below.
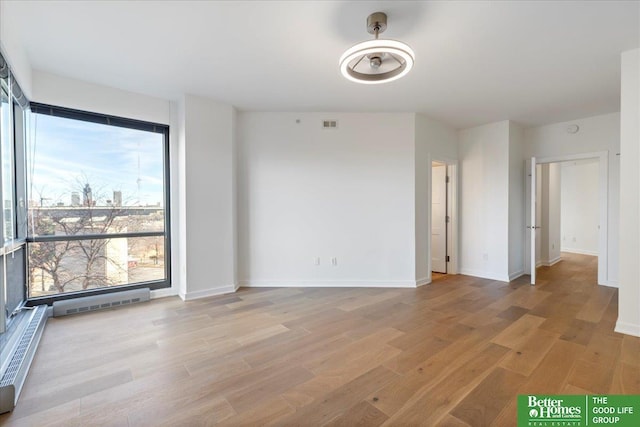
(328, 283)
(514, 276)
(610, 284)
(554, 261)
(627, 328)
(484, 274)
(164, 292)
(423, 281)
(548, 263)
(579, 251)
(189, 296)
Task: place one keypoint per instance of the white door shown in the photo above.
(439, 218)
(531, 217)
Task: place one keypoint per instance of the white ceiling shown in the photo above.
(476, 62)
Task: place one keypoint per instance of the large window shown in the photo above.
(97, 193)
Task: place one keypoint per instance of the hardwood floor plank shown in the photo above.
(626, 379)
(485, 402)
(579, 331)
(352, 351)
(549, 377)
(264, 414)
(527, 356)
(630, 351)
(428, 407)
(362, 414)
(243, 399)
(340, 400)
(596, 305)
(451, 421)
(519, 331)
(593, 377)
(417, 354)
(428, 373)
(64, 393)
(552, 372)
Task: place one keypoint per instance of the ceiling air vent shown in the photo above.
(329, 124)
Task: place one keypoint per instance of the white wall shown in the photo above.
(71, 93)
(11, 45)
(433, 141)
(484, 194)
(540, 192)
(549, 209)
(629, 293)
(554, 214)
(207, 183)
(580, 207)
(599, 133)
(306, 192)
(516, 201)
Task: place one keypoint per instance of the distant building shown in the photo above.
(75, 199)
(117, 198)
(87, 199)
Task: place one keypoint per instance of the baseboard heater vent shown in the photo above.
(100, 302)
(16, 371)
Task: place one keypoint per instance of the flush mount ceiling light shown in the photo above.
(379, 60)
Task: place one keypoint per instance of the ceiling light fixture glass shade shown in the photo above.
(377, 61)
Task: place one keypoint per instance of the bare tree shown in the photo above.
(61, 260)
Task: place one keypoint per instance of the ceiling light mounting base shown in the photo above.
(377, 23)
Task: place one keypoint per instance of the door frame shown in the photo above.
(452, 211)
(603, 204)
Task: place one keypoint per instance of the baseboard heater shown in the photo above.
(100, 302)
(13, 377)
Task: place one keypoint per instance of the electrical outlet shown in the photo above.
(334, 261)
(574, 239)
(485, 257)
(316, 260)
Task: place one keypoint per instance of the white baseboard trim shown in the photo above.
(189, 296)
(579, 251)
(609, 283)
(548, 263)
(163, 293)
(554, 261)
(484, 274)
(328, 283)
(514, 276)
(422, 281)
(627, 328)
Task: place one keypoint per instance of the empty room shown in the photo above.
(310, 213)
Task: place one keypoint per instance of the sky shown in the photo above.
(64, 154)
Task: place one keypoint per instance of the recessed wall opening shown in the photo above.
(570, 213)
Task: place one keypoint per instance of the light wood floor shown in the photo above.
(453, 353)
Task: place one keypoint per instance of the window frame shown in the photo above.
(105, 119)
(11, 283)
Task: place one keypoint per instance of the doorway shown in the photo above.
(443, 225)
(566, 210)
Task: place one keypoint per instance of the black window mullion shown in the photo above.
(66, 113)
